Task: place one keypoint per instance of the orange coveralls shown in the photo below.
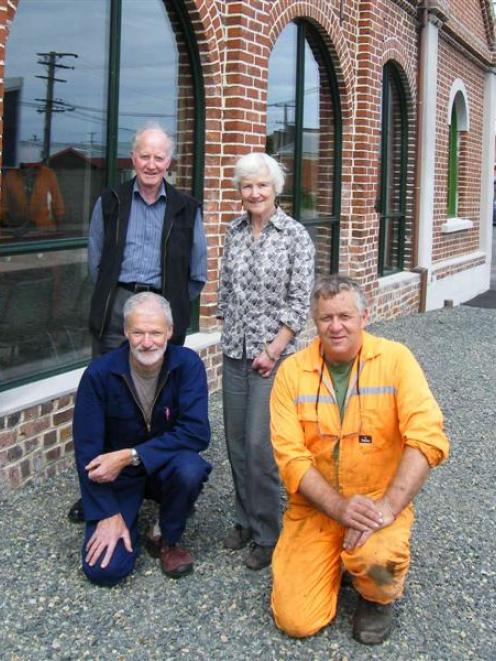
(391, 407)
(44, 208)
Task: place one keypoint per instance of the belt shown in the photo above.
(137, 287)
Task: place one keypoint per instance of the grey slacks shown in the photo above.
(258, 494)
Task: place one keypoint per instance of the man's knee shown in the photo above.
(298, 621)
(379, 568)
(189, 473)
(120, 566)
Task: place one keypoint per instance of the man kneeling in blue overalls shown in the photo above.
(140, 422)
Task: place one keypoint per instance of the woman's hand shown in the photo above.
(263, 364)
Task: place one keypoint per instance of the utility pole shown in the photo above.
(52, 105)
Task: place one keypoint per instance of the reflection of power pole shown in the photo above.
(52, 105)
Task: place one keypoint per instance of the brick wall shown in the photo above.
(451, 68)
(235, 40)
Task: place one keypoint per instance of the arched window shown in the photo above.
(458, 121)
(304, 133)
(393, 178)
(80, 78)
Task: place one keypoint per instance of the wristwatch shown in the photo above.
(135, 458)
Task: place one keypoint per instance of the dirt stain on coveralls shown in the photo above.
(382, 575)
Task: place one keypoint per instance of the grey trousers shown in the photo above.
(113, 336)
(245, 396)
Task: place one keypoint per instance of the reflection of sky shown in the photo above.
(148, 68)
(282, 84)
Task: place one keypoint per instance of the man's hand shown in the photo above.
(353, 538)
(106, 467)
(104, 539)
(359, 513)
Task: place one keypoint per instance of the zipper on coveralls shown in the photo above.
(351, 386)
(136, 399)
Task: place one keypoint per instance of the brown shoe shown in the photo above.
(237, 538)
(372, 622)
(176, 561)
(259, 556)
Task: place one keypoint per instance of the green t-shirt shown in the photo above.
(340, 375)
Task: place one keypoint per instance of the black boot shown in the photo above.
(76, 513)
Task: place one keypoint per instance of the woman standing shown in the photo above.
(266, 279)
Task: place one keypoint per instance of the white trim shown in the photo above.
(456, 225)
(459, 287)
(487, 187)
(429, 64)
(456, 261)
(396, 280)
(462, 110)
(57, 386)
(200, 341)
(38, 392)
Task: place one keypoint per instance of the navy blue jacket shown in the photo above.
(108, 417)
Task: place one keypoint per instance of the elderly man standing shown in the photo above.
(144, 236)
(355, 431)
(140, 422)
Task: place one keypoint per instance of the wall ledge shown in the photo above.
(45, 390)
(456, 225)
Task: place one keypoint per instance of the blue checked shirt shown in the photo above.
(142, 253)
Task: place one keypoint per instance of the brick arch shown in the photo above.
(394, 51)
(206, 23)
(317, 12)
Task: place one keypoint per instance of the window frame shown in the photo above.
(303, 29)
(52, 245)
(453, 164)
(391, 76)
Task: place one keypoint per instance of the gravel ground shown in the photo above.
(49, 611)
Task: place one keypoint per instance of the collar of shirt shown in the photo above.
(161, 194)
(278, 219)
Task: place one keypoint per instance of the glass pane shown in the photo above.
(320, 131)
(54, 118)
(394, 170)
(318, 153)
(44, 303)
(155, 85)
(311, 136)
(281, 102)
(321, 235)
(394, 208)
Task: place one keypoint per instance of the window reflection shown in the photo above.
(393, 173)
(281, 104)
(155, 84)
(54, 158)
(301, 133)
(44, 301)
(54, 123)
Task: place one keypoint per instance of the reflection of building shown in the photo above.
(389, 147)
(11, 103)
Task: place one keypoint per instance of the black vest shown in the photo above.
(177, 240)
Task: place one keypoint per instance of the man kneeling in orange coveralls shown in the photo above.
(355, 431)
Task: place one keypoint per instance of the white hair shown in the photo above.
(253, 164)
(153, 126)
(149, 299)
